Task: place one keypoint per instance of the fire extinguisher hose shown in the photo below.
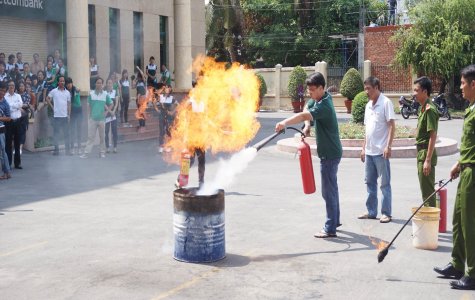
(265, 141)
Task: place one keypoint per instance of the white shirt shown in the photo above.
(112, 95)
(168, 99)
(376, 120)
(60, 99)
(197, 107)
(15, 103)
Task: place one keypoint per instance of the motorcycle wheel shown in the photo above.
(405, 112)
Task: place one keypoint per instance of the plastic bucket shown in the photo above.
(198, 226)
(425, 228)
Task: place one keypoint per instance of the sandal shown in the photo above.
(4, 176)
(323, 234)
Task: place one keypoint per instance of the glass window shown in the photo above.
(164, 40)
(114, 40)
(138, 39)
(92, 30)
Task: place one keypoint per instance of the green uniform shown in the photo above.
(464, 209)
(426, 122)
(326, 127)
(97, 104)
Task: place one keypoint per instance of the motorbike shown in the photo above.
(408, 107)
(442, 108)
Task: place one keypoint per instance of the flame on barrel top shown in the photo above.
(218, 114)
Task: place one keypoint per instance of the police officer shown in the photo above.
(464, 209)
(427, 123)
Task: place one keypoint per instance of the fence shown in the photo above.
(393, 79)
(335, 76)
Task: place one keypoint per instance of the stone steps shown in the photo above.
(129, 134)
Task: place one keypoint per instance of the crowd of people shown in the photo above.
(26, 89)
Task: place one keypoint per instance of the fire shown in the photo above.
(219, 114)
(142, 102)
(379, 245)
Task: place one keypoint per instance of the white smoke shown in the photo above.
(228, 169)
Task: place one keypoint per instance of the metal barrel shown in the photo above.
(198, 226)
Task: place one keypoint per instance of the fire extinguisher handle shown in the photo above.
(300, 131)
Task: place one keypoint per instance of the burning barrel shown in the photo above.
(198, 226)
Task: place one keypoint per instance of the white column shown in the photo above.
(151, 36)
(366, 69)
(277, 78)
(324, 70)
(183, 59)
(77, 38)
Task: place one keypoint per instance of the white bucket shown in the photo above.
(425, 228)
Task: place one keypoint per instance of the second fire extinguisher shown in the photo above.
(184, 168)
(306, 167)
(441, 198)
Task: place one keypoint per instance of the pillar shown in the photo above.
(183, 61)
(277, 78)
(77, 38)
(366, 69)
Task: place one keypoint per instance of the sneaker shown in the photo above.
(115, 150)
(160, 149)
(102, 155)
(108, 150)
(84, 155)
(385, 219)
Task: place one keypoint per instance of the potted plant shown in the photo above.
(350, 86)
(296, 88)
(262, 89)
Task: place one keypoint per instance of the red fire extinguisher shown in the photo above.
(441, 200)
(306, 167)
(184, 168)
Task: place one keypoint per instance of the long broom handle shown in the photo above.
(427, 199)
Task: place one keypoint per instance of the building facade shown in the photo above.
(121, 34)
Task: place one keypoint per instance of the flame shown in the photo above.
(142, 103)
(379, 245)
(219, 112)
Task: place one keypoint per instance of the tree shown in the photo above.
(224, 30)
(441, 40)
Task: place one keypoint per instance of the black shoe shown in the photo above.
(55, 153)
(449, 271)
(464, 283)
(18, 167)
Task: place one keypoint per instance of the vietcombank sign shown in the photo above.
(47, 10)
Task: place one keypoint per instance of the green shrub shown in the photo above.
(358, 107)
(351, 84)
(357, 131)
(296, 86)
(262, 86)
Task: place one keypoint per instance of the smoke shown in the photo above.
(228, 169)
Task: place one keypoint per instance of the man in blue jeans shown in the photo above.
(379, 133)
(320, 109)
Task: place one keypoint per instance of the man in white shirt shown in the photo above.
(14, 127)
(380, 127)
(60, 101)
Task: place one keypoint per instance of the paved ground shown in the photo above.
(102, 229)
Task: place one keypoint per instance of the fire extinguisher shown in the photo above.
(306, 167)
(441, 201)
(184, 168)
